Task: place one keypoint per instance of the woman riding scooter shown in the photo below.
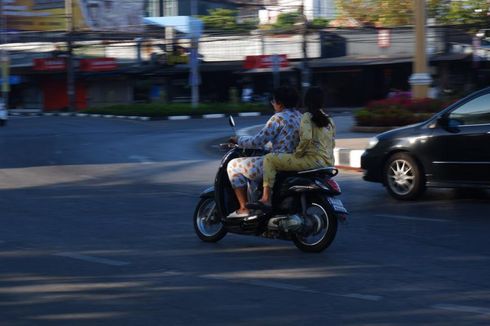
(282, 130)
(315, 149)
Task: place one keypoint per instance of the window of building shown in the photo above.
(153, 8)
(170, 8)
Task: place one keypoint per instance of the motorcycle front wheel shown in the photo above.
(320, 226)
(207, 223)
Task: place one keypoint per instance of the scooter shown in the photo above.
(305, 206)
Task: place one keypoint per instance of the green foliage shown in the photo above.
(391, 13)
(319, 23)
(286, 23)
(225, 20)
(288, 19)
(470, 12)
(162, 110)
(364, 11)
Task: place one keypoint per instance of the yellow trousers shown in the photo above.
(288, 162)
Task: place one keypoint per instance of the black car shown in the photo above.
(451, 149)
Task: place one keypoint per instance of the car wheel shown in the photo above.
(403, 177)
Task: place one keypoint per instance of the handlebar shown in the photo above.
(227, 146)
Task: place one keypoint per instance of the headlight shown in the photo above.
(372, 142)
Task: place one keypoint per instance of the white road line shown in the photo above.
(411, 218)
(249, 114)
(213, 116)
(179, 117)
(470, 309)
(92, 259)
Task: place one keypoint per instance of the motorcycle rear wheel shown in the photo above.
(207, 224)
(320, 214)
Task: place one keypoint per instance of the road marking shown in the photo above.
(472, 309)
(412, 218)
(179, 117)
(213, 116)
(92, 259)
(249, 114)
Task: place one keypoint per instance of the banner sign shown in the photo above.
(50, 15)
(265, 61)
(98, 64)
(49, 64)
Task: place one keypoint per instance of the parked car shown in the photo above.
(450, 150)
(3, 114)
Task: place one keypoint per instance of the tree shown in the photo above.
(363, 11)
(225, 20)
(469, 12)
(390, 13)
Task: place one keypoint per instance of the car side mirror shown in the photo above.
(449, 124)
(231, 121)
(443, 121)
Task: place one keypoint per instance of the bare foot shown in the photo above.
(265, 202)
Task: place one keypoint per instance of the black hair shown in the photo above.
(286, 96)
(314, 102)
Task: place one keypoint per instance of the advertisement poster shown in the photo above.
(92, 15)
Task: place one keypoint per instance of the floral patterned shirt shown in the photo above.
(282, 130)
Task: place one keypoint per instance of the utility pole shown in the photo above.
(4, 57)
(70, 65)
(420, 79)
(305, 70)
(194, 59)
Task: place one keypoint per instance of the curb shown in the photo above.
(348, 158)
(141, 118)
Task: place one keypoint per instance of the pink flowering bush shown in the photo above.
(398, 111)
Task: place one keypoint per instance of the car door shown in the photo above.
(460, 144)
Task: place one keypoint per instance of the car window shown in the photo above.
(474, 112)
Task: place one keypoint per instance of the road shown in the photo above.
(95, 228)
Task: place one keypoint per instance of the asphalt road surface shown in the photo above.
(96, 229)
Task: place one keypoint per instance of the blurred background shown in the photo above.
(81, 54)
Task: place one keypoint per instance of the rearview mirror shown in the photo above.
(231, 121)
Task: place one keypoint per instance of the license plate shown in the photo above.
(337, 205)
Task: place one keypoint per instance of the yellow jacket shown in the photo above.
(316, 142)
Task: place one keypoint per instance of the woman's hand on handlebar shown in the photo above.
(233, 140)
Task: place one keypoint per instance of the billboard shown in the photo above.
(92, 15)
